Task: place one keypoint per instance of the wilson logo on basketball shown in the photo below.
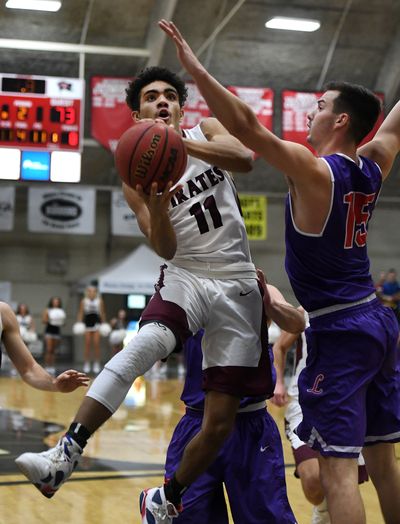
(148, 153)
(147, 157)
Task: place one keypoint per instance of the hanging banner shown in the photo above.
(254, 209)
(260, 99)
(7, 206)
(110, 116)
(123, 220)
(195, 109)
(295, 107)
(61, 211)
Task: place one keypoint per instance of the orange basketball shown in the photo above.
(150, 152)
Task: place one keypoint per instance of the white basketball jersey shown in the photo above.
(207, 218)
(25, 321)
(301, 357)
(91, 306)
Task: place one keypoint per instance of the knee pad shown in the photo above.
(153, 342)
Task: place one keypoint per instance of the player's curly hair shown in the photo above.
(149, 75)
(361, 104)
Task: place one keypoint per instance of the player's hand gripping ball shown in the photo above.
(150, 152)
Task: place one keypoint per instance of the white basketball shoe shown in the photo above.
(155, 508)
(320, 516)
(50, 469)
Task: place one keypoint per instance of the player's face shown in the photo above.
(321, 120)
(160, 100)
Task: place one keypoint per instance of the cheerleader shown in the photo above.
(53, 318)
(92, 314)
(118, 333)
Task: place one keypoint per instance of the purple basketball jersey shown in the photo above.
(333, 267)
(193, 394)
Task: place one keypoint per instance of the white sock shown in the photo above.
(320, 514)
(323, 506)
(153, 342)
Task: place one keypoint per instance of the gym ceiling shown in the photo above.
(358, 41)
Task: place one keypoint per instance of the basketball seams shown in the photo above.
(138, 168)
(134, 152)
(161, 159)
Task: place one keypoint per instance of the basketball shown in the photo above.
(150, 152)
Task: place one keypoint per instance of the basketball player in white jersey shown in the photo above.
(30, 371)
(208, 281)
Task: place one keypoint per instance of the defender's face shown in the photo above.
(160, 100)
(321, 120)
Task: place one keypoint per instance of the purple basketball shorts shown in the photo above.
(251, 466)
(349, 391)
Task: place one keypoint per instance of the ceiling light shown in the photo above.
(293, 24)
(35, 5)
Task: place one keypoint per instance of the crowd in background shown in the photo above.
(92, 324)
(388, 290)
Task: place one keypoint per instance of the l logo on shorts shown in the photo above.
(315, 389)
(242, 294)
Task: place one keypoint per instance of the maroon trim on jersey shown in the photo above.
(304, 453)
(299, 349)
(241, 381)
(362, 474)
(167, 313)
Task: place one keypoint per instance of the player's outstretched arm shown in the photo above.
(221, 149)
(385, 145)
(286, 316)
(294, 160)
(31, 372)
(282, 345)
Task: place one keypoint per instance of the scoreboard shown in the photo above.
(40, 112)
(41, 127)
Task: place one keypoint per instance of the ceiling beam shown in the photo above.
(388, 80)
(156, 38)
(62, 47)
(82, 41)
(332, 46)
(211, 38)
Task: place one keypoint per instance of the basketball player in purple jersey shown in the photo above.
(208, 280)
(306, 459)
(253, 450)
(350, 388)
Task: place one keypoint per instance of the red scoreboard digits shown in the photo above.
(41, 112)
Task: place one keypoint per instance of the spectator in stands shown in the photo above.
(389, 292)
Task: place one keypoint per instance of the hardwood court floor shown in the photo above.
(125, 456)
